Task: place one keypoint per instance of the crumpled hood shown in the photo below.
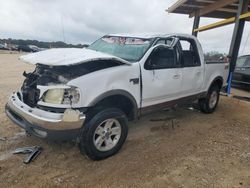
(67, 56)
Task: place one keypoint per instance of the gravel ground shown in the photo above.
(181, 148)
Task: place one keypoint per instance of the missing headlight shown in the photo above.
(71, 96)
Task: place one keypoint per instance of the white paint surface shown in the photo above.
(67, 56)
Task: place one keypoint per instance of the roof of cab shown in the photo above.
(150, 35)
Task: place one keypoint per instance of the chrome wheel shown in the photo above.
(213, 99)
(107, 135)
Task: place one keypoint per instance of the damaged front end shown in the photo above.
(47, 84)
(47, 106)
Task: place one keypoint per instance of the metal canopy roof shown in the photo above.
(232, 11)
(206, 8)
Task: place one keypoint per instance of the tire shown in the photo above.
(209, 104)
(104, 134)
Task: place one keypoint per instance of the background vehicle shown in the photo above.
(25, 48)
(34, 48)
(2, 47)
(241, 75)
(90, 94)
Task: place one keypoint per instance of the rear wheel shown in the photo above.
(209, 104)
(104, 134)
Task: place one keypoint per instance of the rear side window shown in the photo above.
(185, 45)
(190, 56)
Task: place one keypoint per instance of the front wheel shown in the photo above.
(104, 135)
(209, 104)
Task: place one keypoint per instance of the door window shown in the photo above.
(162, 58)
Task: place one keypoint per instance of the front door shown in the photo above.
(161, 76)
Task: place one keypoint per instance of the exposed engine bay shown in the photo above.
(45, 75)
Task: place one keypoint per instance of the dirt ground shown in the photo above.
(182, 148)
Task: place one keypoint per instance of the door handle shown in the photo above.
(176, 76)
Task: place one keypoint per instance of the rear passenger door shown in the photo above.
(193, 70)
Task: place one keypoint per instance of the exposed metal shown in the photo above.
(33, 152)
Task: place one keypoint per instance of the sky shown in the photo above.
(84, 21)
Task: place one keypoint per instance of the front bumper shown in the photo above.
(42, 123)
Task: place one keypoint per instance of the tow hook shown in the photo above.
(34, 152)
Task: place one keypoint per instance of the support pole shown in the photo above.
(196, 23)
(236, 39)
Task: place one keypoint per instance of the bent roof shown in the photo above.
(150, 35)
(206, 8)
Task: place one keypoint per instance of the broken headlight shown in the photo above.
(62, 96)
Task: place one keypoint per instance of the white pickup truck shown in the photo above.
(90, 94)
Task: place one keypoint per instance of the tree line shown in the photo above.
(40, 44)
